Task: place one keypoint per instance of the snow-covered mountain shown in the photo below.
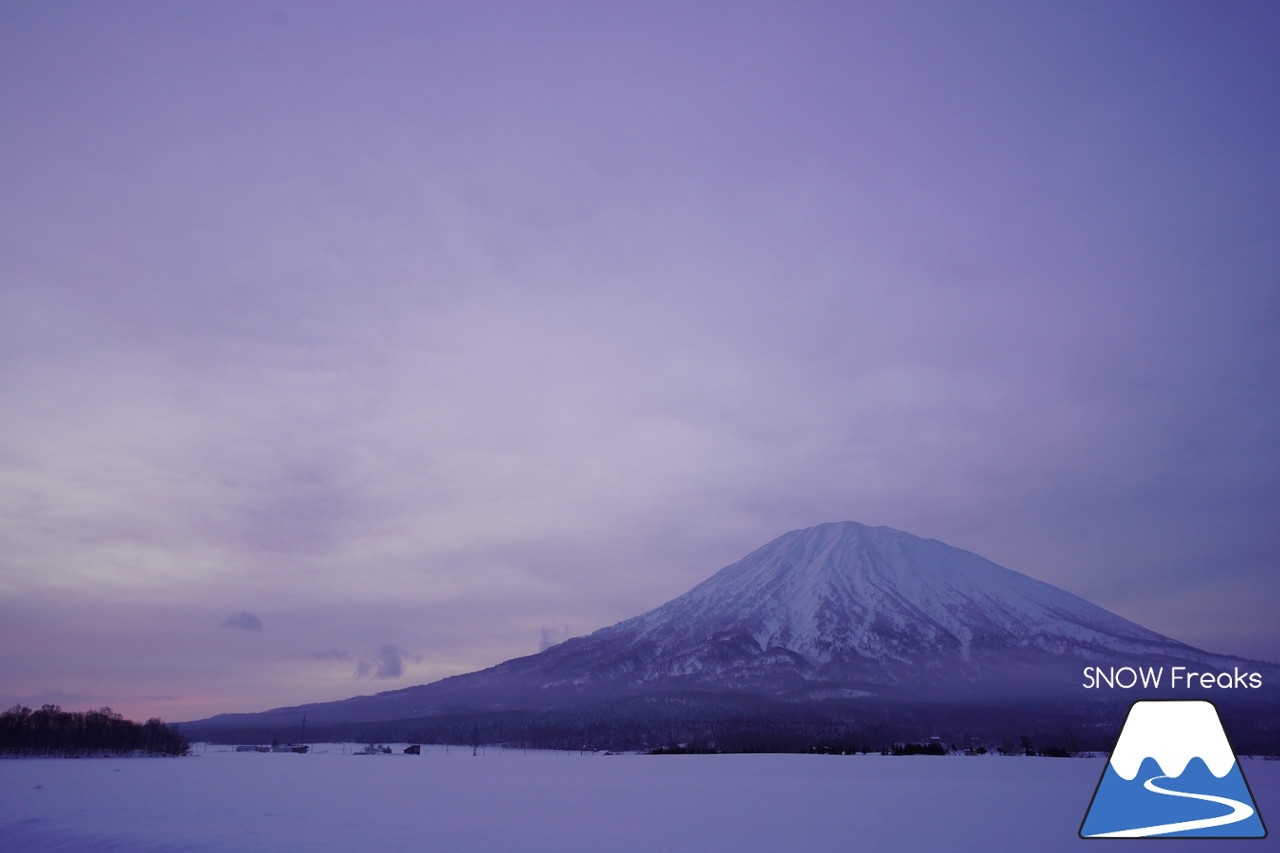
(846, 599)
(839, 611)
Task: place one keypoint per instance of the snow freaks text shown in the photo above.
(1174, 677)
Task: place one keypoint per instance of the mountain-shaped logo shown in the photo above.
(1172, 774)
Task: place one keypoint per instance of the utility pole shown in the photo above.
(304, 729)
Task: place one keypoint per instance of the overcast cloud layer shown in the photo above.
(343, 349)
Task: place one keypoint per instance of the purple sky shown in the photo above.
(345, 347)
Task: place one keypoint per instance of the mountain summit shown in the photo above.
(847, 599)
(837, 613)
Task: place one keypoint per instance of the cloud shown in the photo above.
(552, 637)
(389, 663)
(54, 696)
(244, 619)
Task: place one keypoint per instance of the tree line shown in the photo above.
(51, 731)
(692, 723)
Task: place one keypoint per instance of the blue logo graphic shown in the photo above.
(1172, 775)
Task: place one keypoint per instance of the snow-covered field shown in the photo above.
(507, 800)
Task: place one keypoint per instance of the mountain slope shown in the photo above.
(843, 592)
(839, 611)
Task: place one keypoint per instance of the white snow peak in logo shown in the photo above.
(1172, 775)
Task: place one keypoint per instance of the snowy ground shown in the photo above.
(507, 800)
